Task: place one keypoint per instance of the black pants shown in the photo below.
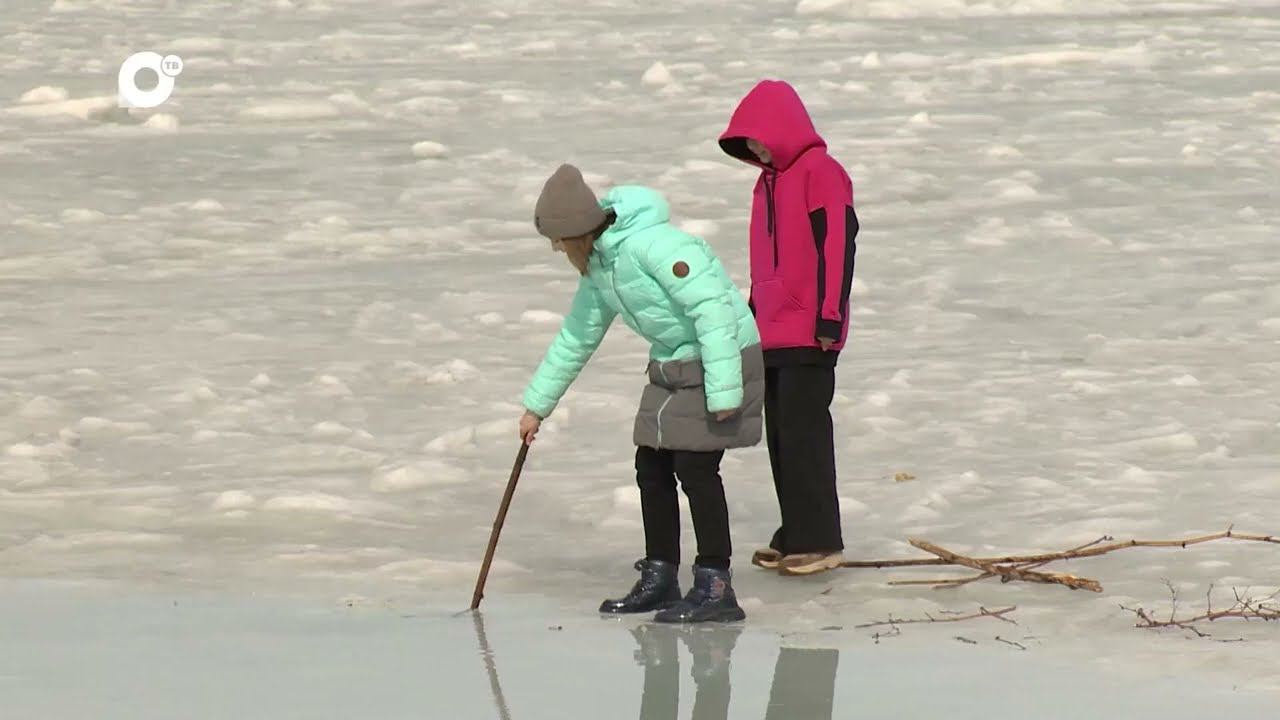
(797, 422)
(699, 475)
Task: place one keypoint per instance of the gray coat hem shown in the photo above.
(673, 408)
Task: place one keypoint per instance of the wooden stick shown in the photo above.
(497, 525)
(1009, 572)
(982, 612)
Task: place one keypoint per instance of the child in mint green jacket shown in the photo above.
(706, 376)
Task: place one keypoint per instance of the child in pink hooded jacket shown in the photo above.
(803, 230)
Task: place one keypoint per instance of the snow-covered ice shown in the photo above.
(270, 337)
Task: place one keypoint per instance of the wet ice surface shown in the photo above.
(91, 652)
(274, 340)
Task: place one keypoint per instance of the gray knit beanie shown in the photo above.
(567, 207)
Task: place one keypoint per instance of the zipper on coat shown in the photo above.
(659, 416)
(770, 183)
(613, 282)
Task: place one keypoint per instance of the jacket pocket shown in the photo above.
(773, 300)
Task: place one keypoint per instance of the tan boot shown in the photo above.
(767, 558)
(810, 563)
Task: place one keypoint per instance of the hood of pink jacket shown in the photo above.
(773, 114)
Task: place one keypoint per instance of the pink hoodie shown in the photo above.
(803, 225)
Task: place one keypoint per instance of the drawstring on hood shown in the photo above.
(770, 183)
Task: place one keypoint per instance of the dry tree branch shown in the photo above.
(1009, 572)
(1245, 608)
(982, 612)
(1022, 567)
(1091, 550)
(951, 583)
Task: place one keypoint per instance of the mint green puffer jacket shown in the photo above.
(669, 287)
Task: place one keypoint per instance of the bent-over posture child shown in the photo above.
(706, 377)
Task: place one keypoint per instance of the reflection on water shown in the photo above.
(804, 679)
(583, 667)
(78, 652)
(804, 682)
(803, 687)
(490, 667)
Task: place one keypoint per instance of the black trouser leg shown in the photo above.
(772, 433)
(699, 474)
(659, 504)
(802, 452)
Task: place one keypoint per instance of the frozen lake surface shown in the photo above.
(269, 339)
(93, 652)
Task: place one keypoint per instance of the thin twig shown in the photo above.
(894, 631)
(881, 564)
(982, 612)
(935, 581)
(1018, 645)
(1173, 601)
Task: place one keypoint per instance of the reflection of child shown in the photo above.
(804, 679)
(706, 376)
(802, 236)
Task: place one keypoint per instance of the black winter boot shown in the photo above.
(657, 588)
(711, 600)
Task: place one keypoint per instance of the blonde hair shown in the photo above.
(578, 249)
